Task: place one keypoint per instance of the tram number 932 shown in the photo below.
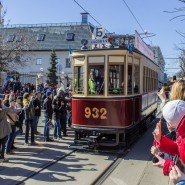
(96, 113)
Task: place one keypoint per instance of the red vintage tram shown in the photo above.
(124, 95)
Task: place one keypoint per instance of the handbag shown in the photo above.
(17, 123)
(50, 124)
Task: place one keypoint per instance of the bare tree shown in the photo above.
(12, 54)
(181, 15)
(182, 63)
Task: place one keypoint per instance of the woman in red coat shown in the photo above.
(174, 114)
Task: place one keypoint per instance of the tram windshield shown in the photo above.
(78, 80)
(116, 79)
(96, 79)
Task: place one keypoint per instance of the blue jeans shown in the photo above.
(2, 146)
(46, 128)
(181, 182)
(36, 120)
(57, 129)
(69, 120)
(29, 124)
(11, 137)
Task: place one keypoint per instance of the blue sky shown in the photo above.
(112, 14)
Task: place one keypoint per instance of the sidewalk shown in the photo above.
(29, 159)
(136, 168)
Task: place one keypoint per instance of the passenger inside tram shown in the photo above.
(92, 83)
(96, 80)
(99, 83)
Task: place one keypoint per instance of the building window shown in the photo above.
(39, 61)
(68, 63)
(70, 36)
(40, 37)
(18, 38)
(10, 38)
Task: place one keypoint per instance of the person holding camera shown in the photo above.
(174, 114)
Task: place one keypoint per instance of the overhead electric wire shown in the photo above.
(135, 17)
(87, 12)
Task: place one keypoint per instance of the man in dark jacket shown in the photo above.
(37, 106)
(47, 106)
(29, 116)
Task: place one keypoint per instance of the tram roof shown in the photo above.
(115, 48)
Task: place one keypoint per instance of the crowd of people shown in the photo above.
(20, 111)
(169, 150)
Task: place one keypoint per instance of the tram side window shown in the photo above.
(129, 79)
(116, 79)
(136, 78)
(96, 80)
(78, 87)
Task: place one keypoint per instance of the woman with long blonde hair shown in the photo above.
(178, 91)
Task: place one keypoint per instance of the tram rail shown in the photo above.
(45, 166)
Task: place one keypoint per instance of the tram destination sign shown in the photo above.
(99, 41)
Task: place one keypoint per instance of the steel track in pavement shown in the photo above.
(45, 166)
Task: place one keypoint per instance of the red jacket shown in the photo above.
(173, 147)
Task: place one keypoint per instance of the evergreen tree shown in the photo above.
(52, 70)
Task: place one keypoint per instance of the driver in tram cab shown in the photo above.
(99, 83)
(92, 83)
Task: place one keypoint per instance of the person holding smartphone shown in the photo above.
(177, 176)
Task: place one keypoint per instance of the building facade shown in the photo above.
(159, 59)
(43, 38)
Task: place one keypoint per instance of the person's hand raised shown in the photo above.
(157, 132)
(160, 162)
(176, 175)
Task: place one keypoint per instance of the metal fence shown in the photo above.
(28, 78)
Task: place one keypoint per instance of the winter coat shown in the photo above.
(37, 103)
(29, 110)
(47, 106)
(173, 147)
(5, 127)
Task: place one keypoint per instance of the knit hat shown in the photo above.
(173, 112)
(48, 93)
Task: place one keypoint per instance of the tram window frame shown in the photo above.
(78, 80)
(130, 80)
(136, 76)
(116, 80)
(144, 79)
(97, 72)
